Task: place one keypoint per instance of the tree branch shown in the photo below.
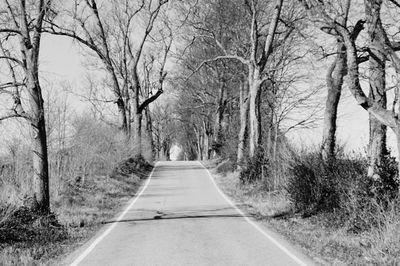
(395, 3)
(19, 62)
(222, 57)
(150, 100)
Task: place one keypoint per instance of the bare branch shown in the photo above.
(222, 57)
(11, 85)
(19, 62)
(395, 3)
(8, 116)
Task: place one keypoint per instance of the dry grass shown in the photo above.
(315, 235)
(81, 211)
(84, 190)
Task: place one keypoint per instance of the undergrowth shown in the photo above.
(331, 209)
(29, 239)
(91, 176)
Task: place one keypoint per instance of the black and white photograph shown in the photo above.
(199, 132)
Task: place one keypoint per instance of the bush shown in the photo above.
(255, 168)
(314, 184)
(368, 200)
(341, 186)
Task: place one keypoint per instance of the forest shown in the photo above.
(241, 85)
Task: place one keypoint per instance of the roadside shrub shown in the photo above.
(342, 187)
(368, 200)
(314, 184)
(255, 168)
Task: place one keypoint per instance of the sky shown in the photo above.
(62, 62)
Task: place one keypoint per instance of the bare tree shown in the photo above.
(22, 22)
(244, 112)
(329, 24)
(334, 81)
(261, 42)
(377, 85)
(138, 106)
(109, 32)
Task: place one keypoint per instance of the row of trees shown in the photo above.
(131, 39)
(247, 82)
(241, 75)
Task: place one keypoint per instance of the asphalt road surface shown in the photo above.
(180, 217)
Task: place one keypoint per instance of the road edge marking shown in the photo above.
(256, 226)
(110, 228)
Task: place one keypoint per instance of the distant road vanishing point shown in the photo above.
(180, 217)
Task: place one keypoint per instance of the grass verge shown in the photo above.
(80, 211)
(315, 235)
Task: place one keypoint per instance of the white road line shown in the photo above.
(256, 226)
(109, 229)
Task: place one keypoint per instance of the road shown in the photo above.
(182, 218)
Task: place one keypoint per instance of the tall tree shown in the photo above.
(334, 82)
(109, 31)
(377, 84)
(328, 23)
(22, 22)
(244, 114)
(256, 60)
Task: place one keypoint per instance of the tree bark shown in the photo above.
(41, 197)
(218, 131)
(254, 111)
(149, 132)
(123, 118)
(199, 145)
(244, 113)
(137, 116)
(137, 133)
(377, 81)
(334, 81)
(30, 47)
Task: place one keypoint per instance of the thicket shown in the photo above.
(341, 186)
(338, 188)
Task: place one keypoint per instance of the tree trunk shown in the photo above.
(137, 126)
(41, 197)
(123, 118)
(137, 134)
(206, 139)
(377, 80)
(219, 119)
(334, 82)
(397, 133)
(137, 115)
(30, 36)
(149, 132)
(199, 145)
(244, 114)
(254, 112)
